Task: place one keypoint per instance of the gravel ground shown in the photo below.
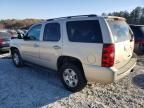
(34, 87)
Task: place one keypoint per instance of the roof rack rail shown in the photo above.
(50, 19)
(69, 17)
(56, 18)
(91, 15)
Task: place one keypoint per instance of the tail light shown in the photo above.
(1, 41)
(108, 55)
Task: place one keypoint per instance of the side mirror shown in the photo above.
(20, 36)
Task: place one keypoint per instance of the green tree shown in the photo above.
(134, 17)
(142, 17)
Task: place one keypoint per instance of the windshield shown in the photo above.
(120, 30)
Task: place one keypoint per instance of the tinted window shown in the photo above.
(138, 32)
(34, 33)
(84, 31)
(52, 32)
(120, 30)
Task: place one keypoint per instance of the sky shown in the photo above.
(45, 9)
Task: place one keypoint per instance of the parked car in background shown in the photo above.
(4, 41)
(81, 48)
(138, 31)
(12, 32)
(25, 29)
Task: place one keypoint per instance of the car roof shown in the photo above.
(86, 16)
(78, 17)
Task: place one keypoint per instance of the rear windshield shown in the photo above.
(87, 31)
(120, 30)
(4, 35)
(138, 32)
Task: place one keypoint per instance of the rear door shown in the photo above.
(51, 46)
(124, 43)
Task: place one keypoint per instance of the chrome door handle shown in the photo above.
(36, 45)
(56, 47)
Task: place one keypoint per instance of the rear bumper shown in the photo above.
(124, 71)
(95, 73)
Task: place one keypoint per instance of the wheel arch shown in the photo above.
(62, 59)
(13, 48)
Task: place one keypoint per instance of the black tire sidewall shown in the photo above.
(20, 64)
(81, 80)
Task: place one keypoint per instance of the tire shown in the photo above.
(77, 77)
(16, 57)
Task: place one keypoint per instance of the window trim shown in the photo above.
(81, 21)
(59, 32)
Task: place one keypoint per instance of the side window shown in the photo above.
(52, 32)
(87, 31)
(34, 33)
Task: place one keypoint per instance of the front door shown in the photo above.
(30, 45)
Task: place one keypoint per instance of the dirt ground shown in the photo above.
(34, 87)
